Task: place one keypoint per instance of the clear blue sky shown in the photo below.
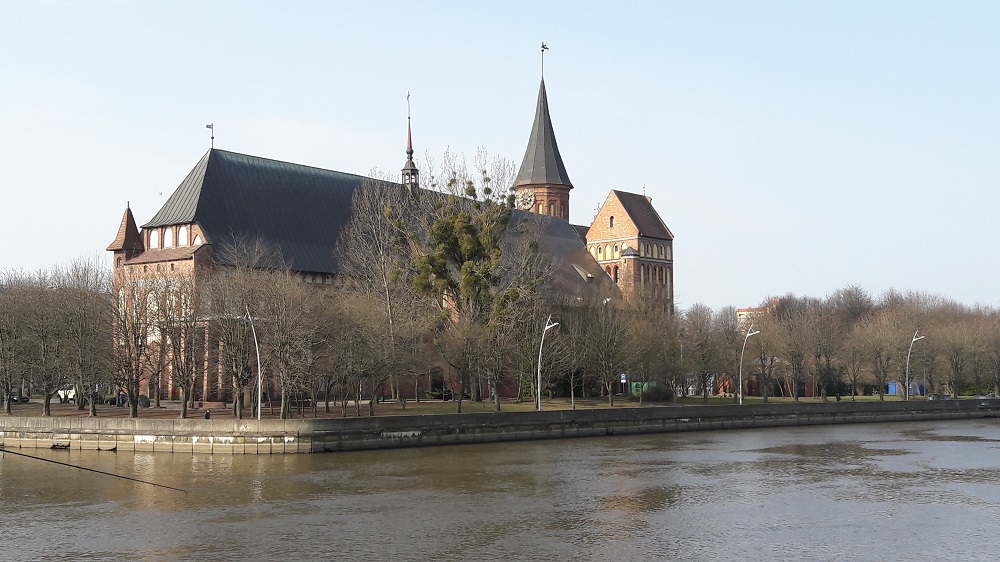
(790, 146)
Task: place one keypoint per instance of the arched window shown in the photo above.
(168, 238)
(660, 246)
(182, 236)
(598, 252)
(661, 275)
(552, 209)
(607, 270)
(154, 239)
(615, 276)
(607, 251)
(611, 222)
(118, 262)
(617, 252)
(197, 240)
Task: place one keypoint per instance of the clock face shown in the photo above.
(525, 199)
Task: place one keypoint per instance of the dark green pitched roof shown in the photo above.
(297, 208)
(542, 164)
(301, 210)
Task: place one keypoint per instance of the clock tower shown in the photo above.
(542, 185)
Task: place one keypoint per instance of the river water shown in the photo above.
(901, 491)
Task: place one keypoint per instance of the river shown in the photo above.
(899, 491)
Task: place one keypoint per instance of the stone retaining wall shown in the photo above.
(348, 434)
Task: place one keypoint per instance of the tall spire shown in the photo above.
(411, 176)
(542, 164)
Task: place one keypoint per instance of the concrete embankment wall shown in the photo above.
(349, 434)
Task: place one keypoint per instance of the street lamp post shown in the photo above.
(750, 332)
(906, 391)
(260, 377)
(538, 392)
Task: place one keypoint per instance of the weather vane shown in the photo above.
(212, 127)
(544, 48)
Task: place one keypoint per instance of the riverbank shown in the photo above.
(220, 435)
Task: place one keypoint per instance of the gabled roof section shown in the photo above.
(128, 238)
(182, 204)
(300, 210)
(644, 216)
(164, 255)
(577, 273)
(542, 164)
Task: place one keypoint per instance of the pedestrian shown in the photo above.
(208, 414)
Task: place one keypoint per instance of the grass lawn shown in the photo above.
(424, 407)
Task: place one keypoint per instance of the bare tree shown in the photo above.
(180, 323)
(14, 358)
(881, 337)
(87, 304)
(133, 330)
(703, 346)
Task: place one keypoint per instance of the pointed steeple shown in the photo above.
(411, 176)
(128, 238)
(128, 242)
(542, 164)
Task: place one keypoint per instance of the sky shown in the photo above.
(791, 147)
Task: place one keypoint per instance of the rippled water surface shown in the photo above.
(914, 491)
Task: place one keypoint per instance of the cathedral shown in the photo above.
(626, 252)
(301, 210)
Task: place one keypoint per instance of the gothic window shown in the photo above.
(607, 251)
(660, 247)
(168, 238)
(611, 222)
(118, 262)
(552, 209)
(598, 252)
(617, 252)
(615, 276)
(197, 240)
(182, 237)
(608, 270)
(154, 239)
(661, 275)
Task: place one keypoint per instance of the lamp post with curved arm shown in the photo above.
(750, 332)
(548, 325)
(260, 376)
(906, 391)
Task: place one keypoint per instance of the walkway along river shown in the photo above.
(346, 434)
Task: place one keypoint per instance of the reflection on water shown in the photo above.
(919, 491)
